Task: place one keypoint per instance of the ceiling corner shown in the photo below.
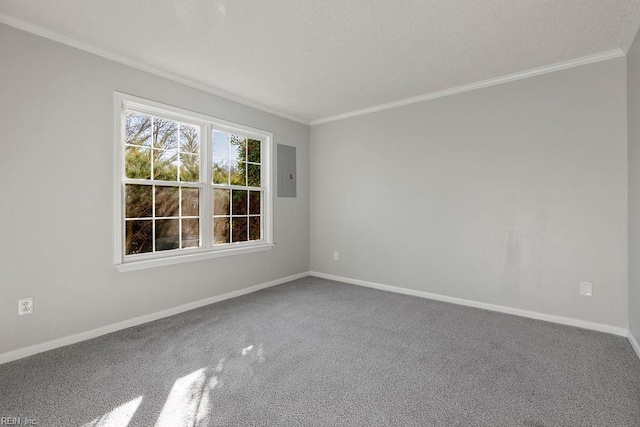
(631, 33)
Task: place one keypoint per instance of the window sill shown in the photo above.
(179, 259)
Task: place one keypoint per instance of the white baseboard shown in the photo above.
(499, 308)
(83, 336)
(634, 344)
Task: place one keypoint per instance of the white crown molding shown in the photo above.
(83, 336)
(69, 41)
(485, 306)
(616, 53)
(631, 33)
(37, 30)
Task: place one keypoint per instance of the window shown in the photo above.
(188, 186)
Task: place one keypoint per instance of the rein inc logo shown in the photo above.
(18, 421)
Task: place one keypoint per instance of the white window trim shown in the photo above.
(207, 123)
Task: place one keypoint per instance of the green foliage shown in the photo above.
(165, 140)
(189, 169)
(253, 151)
(248, 150)
(162, 150)
(166, 150)
(221, 172)
(138, 163)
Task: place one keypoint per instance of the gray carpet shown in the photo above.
(317, 352)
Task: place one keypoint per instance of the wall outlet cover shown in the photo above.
(25, 306)
(586, 289)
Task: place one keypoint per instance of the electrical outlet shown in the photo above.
(336, 256)
(586, 289)
(25, 306)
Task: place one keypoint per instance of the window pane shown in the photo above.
(254, 228)
(165, 165)
(221, 205)
(253, 175)
(189, 139)
(137, 162)
(220, 171)
(137, 128)
(190, 201)
(189, 168)
(138, 201)
(254, 203)
(138, 237)
(253, 151)
(165, 134)
(237, 148)
(166, 154)
(220, 145)
(237, 173)
(190, 233)
(239, 229)
(167, 234)
(167, 201)
(221, 230)
(239, 202)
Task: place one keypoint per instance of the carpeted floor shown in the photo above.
(317, 352)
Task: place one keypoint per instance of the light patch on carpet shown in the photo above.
(260, 354)
(188, 402)
(118, 417)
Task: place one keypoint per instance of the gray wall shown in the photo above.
(633, 102)
(509, 195)
(56, 205)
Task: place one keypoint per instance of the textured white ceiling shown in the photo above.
(314, 59)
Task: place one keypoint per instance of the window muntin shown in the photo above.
(190, 184)
(237, 193)
(160, 217)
